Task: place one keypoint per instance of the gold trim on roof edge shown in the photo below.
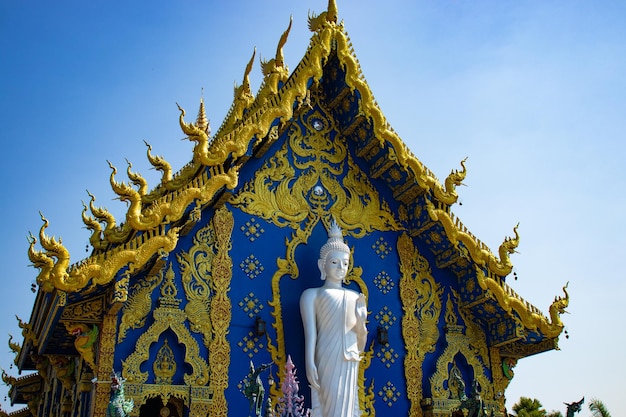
(531, 317)
(481, 256)
(55, 272)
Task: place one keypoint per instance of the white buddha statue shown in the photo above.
(335, 334)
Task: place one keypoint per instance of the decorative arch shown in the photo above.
(166, 316)
(458, 343)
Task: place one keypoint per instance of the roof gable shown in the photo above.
(155, 220)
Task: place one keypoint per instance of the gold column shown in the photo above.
(106, 354)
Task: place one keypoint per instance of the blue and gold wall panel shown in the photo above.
(190, 319)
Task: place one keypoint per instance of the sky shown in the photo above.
(532, 92)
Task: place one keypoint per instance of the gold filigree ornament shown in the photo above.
(366, 394)
(421, 304)
(164, 366)
(139, 303)
(221, 310)
(477, 337)
(481, 255)
(196, 271)
(460, 343)
(88, 310)
(324, 180)
(106, 356)
(170, 208)
(166, 316)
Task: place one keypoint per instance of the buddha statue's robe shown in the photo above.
(336, 354)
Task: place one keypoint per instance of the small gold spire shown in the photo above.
(329, 16)
(202, 122)
(332, 13)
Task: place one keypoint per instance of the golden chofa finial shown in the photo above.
(280, 57)
(160, 164)
(201, 121)
(137, 179)
(558, 307)
(275, 71)
(331, 13)
(329, 16)
(244, 91)
(15, 347)
(277, 63)
(52, 262)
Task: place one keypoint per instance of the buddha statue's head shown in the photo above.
(333, 248)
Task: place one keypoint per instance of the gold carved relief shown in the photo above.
(196, 270)
(86, 311)
(327, 180)
(221, 314)
(366, 394)
(471, 346)
(421, 305)
(477, 337)
(54, 261)
(139, 304)
(164, 366)
(166, 316)
(501, 380)
(105, 364)
(531, 317)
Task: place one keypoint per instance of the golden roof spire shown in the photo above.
(201, 121)
(331, 14)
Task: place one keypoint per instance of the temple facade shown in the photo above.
(199, 284)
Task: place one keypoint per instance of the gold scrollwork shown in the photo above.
(366, 394)
(55, 272)
(120, 290)
(139, 304)
(166, 316)
(90, 310)
(471, 346)
(146, 217)
(478, 252)
(476, 336)
(106, 355)
(421, 303)
(327, 179)
(221, 310)
(196, 266)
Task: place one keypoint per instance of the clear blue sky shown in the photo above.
(533, 92)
